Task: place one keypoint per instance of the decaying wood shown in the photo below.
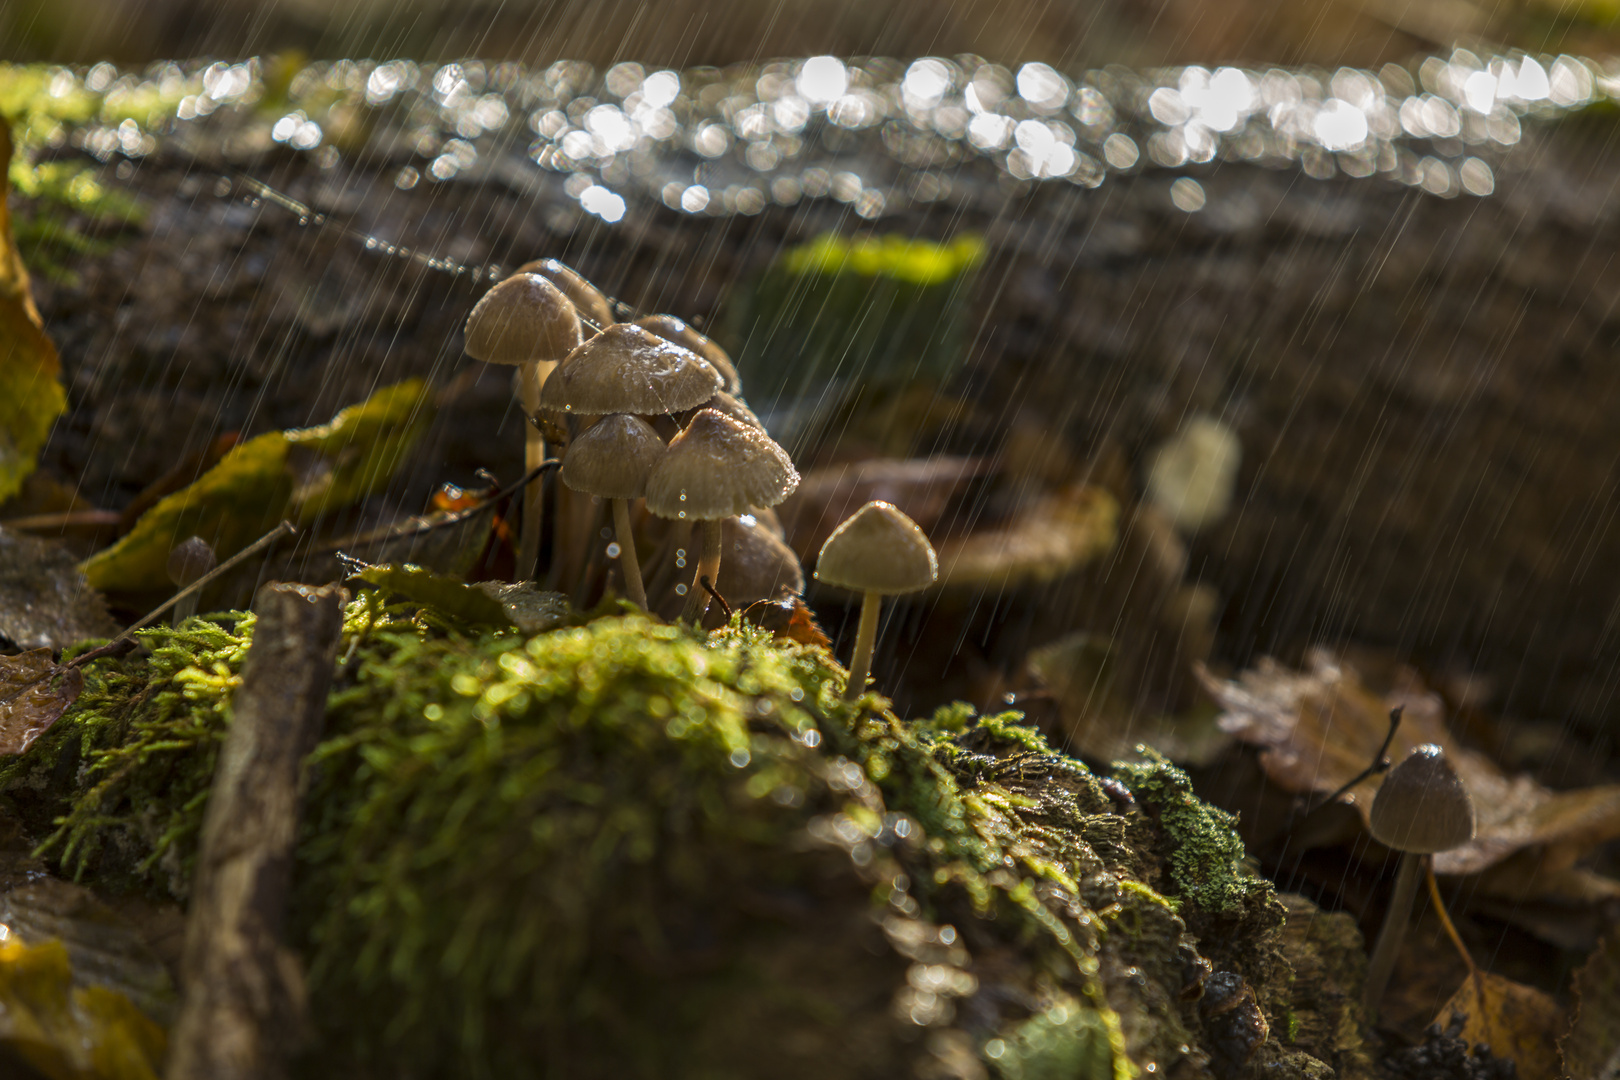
(242, 996)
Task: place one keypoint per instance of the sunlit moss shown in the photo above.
(919, 262)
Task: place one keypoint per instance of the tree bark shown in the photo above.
(243, 1002)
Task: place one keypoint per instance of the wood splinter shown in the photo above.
(243, 995)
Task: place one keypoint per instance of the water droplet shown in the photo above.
(613, 551)
(680, 590)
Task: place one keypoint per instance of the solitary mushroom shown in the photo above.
(717, 468)
(586, 297)
(878, 552)
(189, 561)
(1421, 808)
(672, 329)
(612, 459)
(525, 321)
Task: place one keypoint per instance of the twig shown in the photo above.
(1379, 764)
(286, 528)
(725, 608)
(243, 994)
(118, 646)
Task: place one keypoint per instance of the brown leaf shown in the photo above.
(1514, 1020)
(34, 692)
(44, 599)
(924, 488)
(1320, 727)
(1591, 1048)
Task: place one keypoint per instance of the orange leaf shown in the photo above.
(1514, 1020)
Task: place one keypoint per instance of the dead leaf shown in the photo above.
(34, 692)
(924, 488)
(31, 395)
(1320, 727)
(1514, 1020)
(44, 598)
(1591, 1048)
(1055, 535)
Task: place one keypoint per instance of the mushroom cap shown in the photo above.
(613, 457)
(755, 564)
(1423, 806)
(719, 467)
(879, 550)
(674, 329)
(626, 369)
(733, 407)
(523, 319)
(586, 297)
(189, 560)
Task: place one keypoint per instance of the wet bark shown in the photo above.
(242, 1009)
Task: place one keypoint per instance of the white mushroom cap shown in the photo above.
(613, 457)
(522, 320)
(717, 468)
(677, 330)
(879, 549)
(626, 369)
(586, 297)
(1422, 806)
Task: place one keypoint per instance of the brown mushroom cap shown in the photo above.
(879, 550)
(626, 369)
(189, 560)
(756, 565)
(1423, 806)
(613, 457)
(719, 467)
(673, 329)
(586, 297)
(522, 320)
(733, 407)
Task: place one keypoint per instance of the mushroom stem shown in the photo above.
(534, 453)
(860, 664)
(628, 563)
(1391, 934)
(185, 609)
(697, 600)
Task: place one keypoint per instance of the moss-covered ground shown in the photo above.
(627, 849)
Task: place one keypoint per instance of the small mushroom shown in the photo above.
(1421, 808)
(528, 322)
(626, 369)
(188, 562)
(878, 552)
(586, 297)
(612, 460)
(733, 407)
(673, 329)
(717, 468)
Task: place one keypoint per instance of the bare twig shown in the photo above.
(1380, 763)
(725, 608)
(243, 995)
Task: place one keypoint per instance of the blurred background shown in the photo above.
(684, 33)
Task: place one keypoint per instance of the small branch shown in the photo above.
(1380, 763)
(286, 528)
(243, 996)
(725, 608)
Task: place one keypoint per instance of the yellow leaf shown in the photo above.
(1514, 1020)
(66, 1034)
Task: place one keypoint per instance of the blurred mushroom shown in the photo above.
(1421, 808)
(717, 468)
(525, 321)
(878, 552)
(673, 329)
(756, 565)
(188, 562)
(611, 460)
(733, 407)
(586, 297)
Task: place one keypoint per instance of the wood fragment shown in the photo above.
(243, 1007)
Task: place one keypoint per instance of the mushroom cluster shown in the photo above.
(627, 389)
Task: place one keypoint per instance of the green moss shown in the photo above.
(623, 848)
(1064, 1042)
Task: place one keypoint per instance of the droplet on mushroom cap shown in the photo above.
(1423, 806)
(678, 331)
(522, 320)
(717, 468)
(613, 457)
(880, 550)
(586, 297)
(626, 369)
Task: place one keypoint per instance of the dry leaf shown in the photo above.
(1514, 1020)
(34, 692)
(44, 598)
(1592, 1047)
(1321, 727)
(924, 488)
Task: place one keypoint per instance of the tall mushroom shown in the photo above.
(673, 329)
(1421, 808)
(526, 321)
(878, 552)
(590, 301)
(612, 460)
(717, 468)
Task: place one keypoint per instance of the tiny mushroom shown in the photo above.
(673, 329)
(528, 322)
(590, 301)
(1421, 808)
(878, 552)
(612, 460)
(188, 562)
(717, 468)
